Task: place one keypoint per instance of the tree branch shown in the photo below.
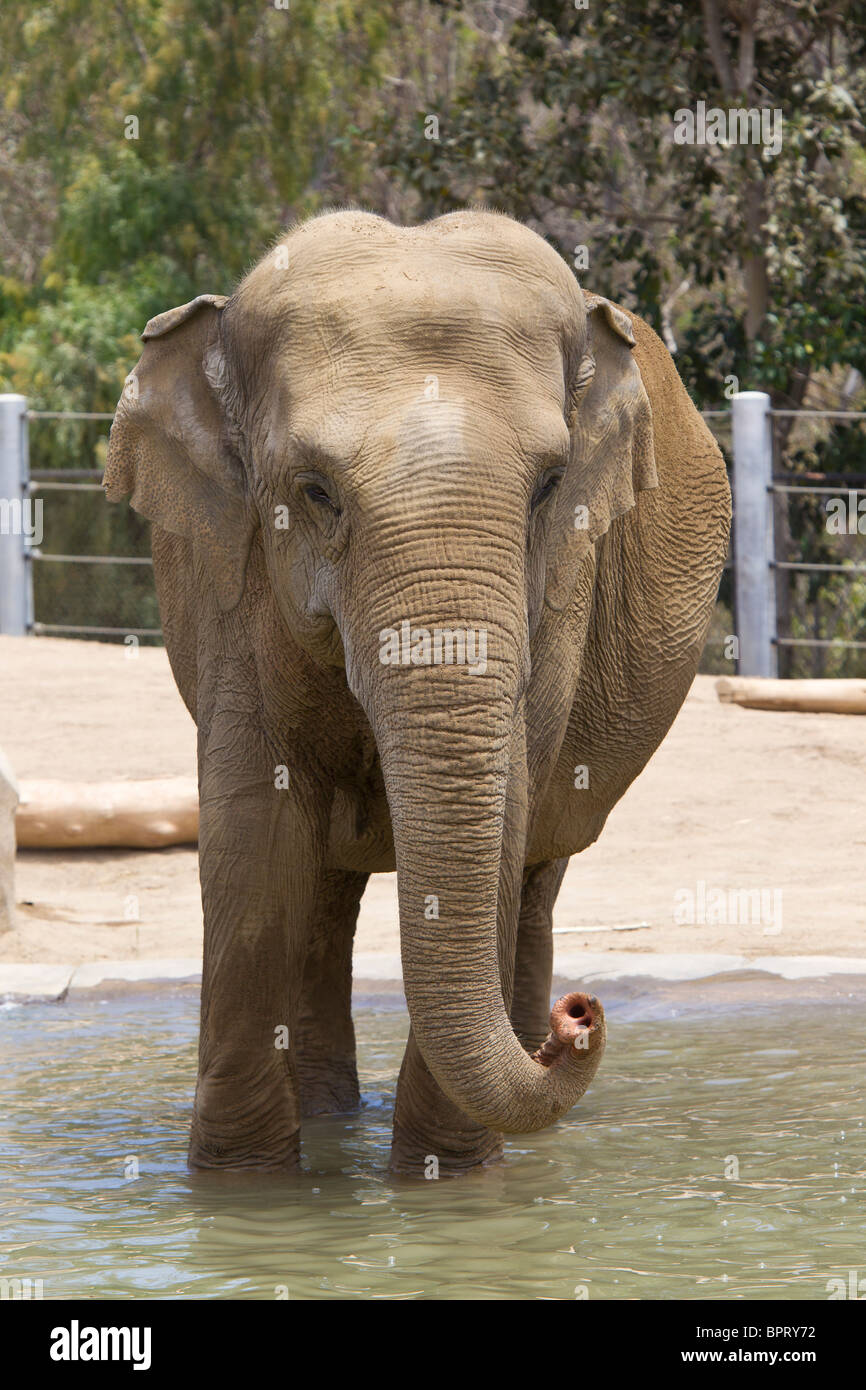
(716, 44)
(127, 24)
(746, 63)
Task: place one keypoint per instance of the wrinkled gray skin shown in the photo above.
(433, 424)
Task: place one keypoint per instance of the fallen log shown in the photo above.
(807, 696)
(9, 794)
(90, 815)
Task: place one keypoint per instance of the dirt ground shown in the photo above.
(734, 800)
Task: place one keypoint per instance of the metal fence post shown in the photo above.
(16, 519)
(754, 579)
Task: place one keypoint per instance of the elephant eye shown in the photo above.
(317, 494)
(545, 486)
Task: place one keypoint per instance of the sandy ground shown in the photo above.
(734, 799)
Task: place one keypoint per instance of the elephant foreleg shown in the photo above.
(260, 850)
(530, 1008)
(327, 1070)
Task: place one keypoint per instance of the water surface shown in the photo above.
(720, 1154)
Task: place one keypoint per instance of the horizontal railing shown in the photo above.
(755, 487)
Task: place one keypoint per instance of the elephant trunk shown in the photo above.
(445, 736)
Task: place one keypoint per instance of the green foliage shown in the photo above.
(569, 126)
(754, 264)
(167, 141)
(179, 136)
(149, 150)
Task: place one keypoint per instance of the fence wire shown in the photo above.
(820, 578)
(93, 576)
(92, 572)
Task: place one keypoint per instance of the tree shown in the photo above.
(149, 149)
(569, 124)
(174, 138)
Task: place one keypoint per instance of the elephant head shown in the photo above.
(427, 430)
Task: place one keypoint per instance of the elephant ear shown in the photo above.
(171, 444)
(612, 452)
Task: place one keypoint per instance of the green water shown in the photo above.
(626, 1198)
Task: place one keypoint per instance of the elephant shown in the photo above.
(437, 535)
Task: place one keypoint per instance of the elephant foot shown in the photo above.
(332, 1090)
(453, 1157)
(433, 1138)
(229, 1156)
(233, 1127)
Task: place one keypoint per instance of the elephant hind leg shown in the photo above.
(325, 1034)
(530, 1008)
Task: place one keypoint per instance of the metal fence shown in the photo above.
(759, 563)
(39, 595)
(44, 589)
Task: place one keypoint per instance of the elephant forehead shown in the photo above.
(432, 307)
(361, 250)
(451, 431)
(363, 372)
(419, 312)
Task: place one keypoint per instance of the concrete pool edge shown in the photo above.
(32, 983)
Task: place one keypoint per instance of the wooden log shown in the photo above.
(9, 795)
(807, 696)
(89, 815)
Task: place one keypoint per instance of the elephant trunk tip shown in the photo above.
(576, 1024)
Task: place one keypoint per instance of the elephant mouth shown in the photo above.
(575, 1024)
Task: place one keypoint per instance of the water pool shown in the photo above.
(720, 1154)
